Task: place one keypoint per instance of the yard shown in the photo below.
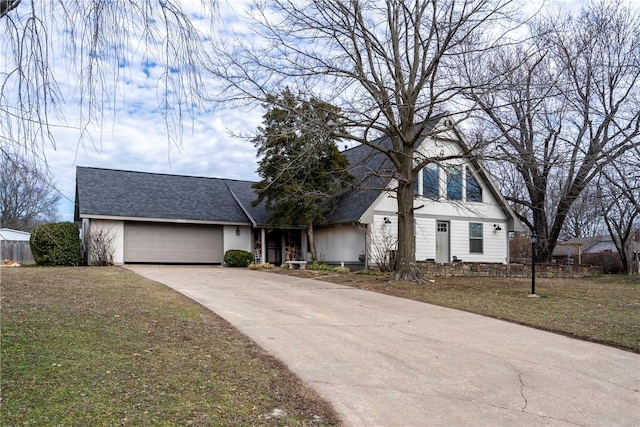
(604, 310)
(105, 347)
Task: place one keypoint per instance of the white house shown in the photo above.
(160, 218)
(459, 213)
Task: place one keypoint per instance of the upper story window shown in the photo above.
(459, 181)
(454, 182)
(431, 181)
(474, 191)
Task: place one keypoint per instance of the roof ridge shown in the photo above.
(164, 174)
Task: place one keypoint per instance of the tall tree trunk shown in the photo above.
(406, 267)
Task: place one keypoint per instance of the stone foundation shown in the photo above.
(477, 269)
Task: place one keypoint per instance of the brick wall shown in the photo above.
(475, 269)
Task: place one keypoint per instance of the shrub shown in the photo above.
(101, 246)
(263, 266)
(238, 258)
(327, 267)
(319, 267)
(56, 244)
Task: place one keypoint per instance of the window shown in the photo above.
(416, 179)
(474, 191)
(454, 182)
(431, 181)
(475, 238)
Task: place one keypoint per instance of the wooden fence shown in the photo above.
(16, 251)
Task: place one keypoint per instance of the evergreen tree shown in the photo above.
(301, 168)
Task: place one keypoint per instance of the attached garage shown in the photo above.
(172, 243)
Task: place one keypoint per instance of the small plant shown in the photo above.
(327, 267)
(382, 245)
(374, 273)
(263, 266)
(320, 267)
(238, 258)
(56, 244)
(101, 246)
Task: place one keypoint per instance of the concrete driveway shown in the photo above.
(386, 361)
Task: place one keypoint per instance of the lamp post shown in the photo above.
(534, 239)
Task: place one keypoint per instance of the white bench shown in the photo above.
(301, 264)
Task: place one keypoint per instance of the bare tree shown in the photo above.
(584, 218)
(27, 195)
(560, 108)
(101, 245)
(95, 39)
(620, 193)
(382, 246)
(387, 64)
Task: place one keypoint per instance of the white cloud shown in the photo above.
(134, 135)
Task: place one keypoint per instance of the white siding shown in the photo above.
(458, 213)
(233, 241)
(425, 238)
(494, 242)
(340, 244)
(115, 230)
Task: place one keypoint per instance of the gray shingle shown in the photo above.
(245, 195)
(148, 195)
(372, 171)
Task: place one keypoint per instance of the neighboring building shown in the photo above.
(159, 218)
(575, 249)
(14, 246)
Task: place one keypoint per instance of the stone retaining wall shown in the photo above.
(475, 269)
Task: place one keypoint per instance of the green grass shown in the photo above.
(105, 347)
(604, 309)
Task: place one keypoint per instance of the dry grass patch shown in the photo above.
(104, 347)
(604, 309)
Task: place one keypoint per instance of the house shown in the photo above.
(14, 246)
(160, 218)
(576, 249)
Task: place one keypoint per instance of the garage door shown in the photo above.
(172, 243)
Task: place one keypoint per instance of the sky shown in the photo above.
(133, 136)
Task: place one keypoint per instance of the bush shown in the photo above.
(319, 267)
(237, 258)
(263, 266)
(56, 244)
(610, 262)
(101, 246)
(327, 267)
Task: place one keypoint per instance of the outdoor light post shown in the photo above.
(534, 239)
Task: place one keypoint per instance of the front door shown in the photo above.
(274, 247)
(442, 241)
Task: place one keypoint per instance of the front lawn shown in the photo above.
(104, 347)
(605, 309)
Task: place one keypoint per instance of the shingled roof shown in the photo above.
(118, 193)
(129, 194)
(372, 171)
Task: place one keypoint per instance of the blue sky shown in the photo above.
(133, 136)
